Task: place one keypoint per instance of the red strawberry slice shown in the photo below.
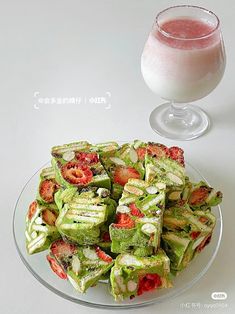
(49, 216)
(56, 267)
(87, 158)
(141, 152)
(135, 211)
(76, 174)
(47, 190)
(149, 282)
(106, 237)
(203, 220)
(199, 195)
(32, 209)
(123, 174)
(61, 249)
(194, 234)
(102, 255)
(177, 154)
(123, 221)
(206, 241)
(157, 150)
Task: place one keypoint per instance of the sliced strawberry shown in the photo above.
(61, 249)
(206, 241)
(47, 190)
(56, 267)
(199, 195)
(49, 216)
(135, 211)
(123, 221)
(148, 282)
(123, 174)
(141, 152)
(177, 154)
(102, 255)
(157, 150)
(203, 220)
(87, 158)
(194, 234)
(76, 174)
(32, 209)
(106, 237)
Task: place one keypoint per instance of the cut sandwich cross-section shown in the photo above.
(83, 266)
(139, 216)
(83, 214)
(76, 165)
(132, 276)
(40, 226)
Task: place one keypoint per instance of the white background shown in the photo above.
(86, 48)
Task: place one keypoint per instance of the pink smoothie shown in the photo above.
(183, 60)
(174, 33)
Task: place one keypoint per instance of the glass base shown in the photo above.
(179, 121)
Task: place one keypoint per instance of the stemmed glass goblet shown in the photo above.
(183, 60)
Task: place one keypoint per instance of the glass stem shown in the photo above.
(180, 111)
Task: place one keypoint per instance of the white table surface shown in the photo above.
(84, 49)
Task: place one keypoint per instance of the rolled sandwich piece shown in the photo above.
(75, 165)
(168, 171)
(82, 266)
(200, 196)
(158, 151)
(83, 213)
(139, 218)
(122, 165)
(47, 186)
(132, 276)
(40, 226)
(181, 247)
(182, 218)
(186, 233)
